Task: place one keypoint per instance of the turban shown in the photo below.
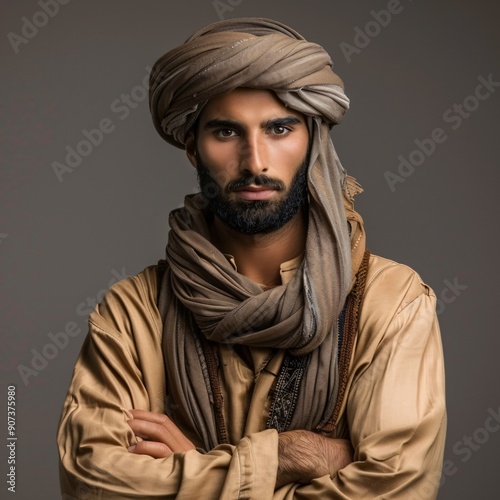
(202, 299)
(249, 52)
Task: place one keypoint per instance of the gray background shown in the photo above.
(62, 242)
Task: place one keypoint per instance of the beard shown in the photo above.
(254, 216)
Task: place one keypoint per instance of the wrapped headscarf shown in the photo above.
(249, 52)
(203, 300)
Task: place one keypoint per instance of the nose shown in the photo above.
(254, 156)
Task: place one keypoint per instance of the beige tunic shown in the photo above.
(393, 411)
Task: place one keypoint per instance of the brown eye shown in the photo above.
(279, 130)
(225, 133)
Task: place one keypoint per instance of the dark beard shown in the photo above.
(254, 216)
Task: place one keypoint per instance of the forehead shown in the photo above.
(244, 104)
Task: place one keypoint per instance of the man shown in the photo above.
(269, 355)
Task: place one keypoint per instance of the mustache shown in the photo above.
(257, 180)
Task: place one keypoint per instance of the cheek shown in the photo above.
(298, 150)
(220, 160)
(290, 155)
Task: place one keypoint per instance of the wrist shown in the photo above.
(298, 458)
(305, 455)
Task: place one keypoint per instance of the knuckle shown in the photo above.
(164, 420)
(162, 432)
(164, 450)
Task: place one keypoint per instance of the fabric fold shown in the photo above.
(202, 298)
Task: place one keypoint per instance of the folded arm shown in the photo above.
(395, 401)
(121, 367)
(304, 456)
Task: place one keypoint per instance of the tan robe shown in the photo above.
(393, 412)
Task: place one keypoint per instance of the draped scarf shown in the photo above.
(202, 299)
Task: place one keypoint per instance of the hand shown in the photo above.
(305, 455)
(160, 436)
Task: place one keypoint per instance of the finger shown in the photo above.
(174, 433)
(158, 432)
(151, 448)
(144, 429)
(151, 416)
(150, 430)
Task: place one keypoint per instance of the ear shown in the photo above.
(191, 148)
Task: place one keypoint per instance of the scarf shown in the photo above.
(202, 299)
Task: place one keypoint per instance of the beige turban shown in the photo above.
(201, 295)
(249, 52)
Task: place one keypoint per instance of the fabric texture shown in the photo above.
(146, 342)
(393, 410)
(201, 293)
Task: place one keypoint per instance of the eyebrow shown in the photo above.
(273, 122)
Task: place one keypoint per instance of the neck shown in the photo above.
(258, 256)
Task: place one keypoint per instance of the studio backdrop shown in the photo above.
(87, 185)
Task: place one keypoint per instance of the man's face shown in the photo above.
(250, 152)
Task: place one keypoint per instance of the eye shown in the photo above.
(279, 130)
(225, 133)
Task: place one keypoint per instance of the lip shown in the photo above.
(255, 193)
